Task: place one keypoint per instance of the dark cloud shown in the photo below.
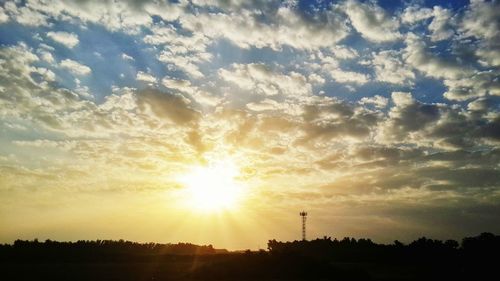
(176, 108)
(462, 177)
(490, 129)
(409, 115)
(337, 120)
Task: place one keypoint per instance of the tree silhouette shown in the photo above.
(319, 259)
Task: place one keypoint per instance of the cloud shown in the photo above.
(372, 21)
(167, 106)
(415, 13)
(481, 105)
(342, 76)
(328, 61)
(262, 80)
(286, 27)
(408, 115)
(179, 84)
(489, 54)
(460, 73)
(146, 77)
(175, 41)
(180, 51)
(75, 67)
(377, 101)
(343, 52)
(127, 16)
(187, 64)
(28, 94)
(480, 21)
(441, 24)
(431, 65)
(331, 120)
(185, 87)
(438, 125)
(69, 40)
(3, 16)
(266, 104)
(477, 85)
(390, 68)
(127, 57)
(24, 15)
(316, 79)
(46, 56)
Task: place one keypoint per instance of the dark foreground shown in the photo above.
(476, 258)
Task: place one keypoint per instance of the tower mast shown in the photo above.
(303, 214)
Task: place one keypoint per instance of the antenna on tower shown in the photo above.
(303, 214)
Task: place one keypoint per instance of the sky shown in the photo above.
(217, 122)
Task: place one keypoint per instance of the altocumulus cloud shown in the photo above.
(69, 40)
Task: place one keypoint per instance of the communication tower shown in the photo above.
(303, 214)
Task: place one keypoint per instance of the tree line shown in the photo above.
(423, 250)
(347, 249)
(319, 259)
(98, 250)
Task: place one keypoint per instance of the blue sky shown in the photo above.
(375, 109)
(101, 50)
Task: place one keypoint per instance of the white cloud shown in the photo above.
(490, 55)
(3, 16)
(33, 96)
(25, 15)
(431, 65)
(185, 63)
(127, 57)
(127, 16)
(377, 101)
(180, 51)
(343, 52)
(481, 19)
(266, 104)
(185, 87)
(178, 84)
(145, 77)
(260, 79)
(69, 40)
(46, 56)
(402, 98)
(177, 43)
(477, 85)
(47, 74)
(415, 13)
(372, 21)
(390, 68)
(286, 27)
(316, 79)
(440, 25)
(82, 90)
(46, 47)
(75, 67)
(342, 76)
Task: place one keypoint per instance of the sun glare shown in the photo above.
(213, 187)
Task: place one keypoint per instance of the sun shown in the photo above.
(213, 187)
